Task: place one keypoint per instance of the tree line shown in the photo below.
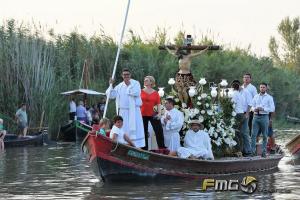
(37, 66)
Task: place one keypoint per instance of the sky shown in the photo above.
(230, 22)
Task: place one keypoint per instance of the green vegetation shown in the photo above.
(287, 52)
(35, 70)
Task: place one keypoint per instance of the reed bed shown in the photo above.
(35, 70)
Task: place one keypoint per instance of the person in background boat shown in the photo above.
(128, 103)
(94, 113)
(262, 105)
(89, 115)
(72, 109)
(104, 126)
(197, 143)
(242, 101)
(101, 106)
(22, 120)
(151, 99)
(2, 135)
(172, 122)
(247, 78)
(117, 133)
(81, 112)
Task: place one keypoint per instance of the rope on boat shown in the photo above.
(117, 58)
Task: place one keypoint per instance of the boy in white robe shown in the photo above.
(197, 143)
(128, 103)
(172, 122)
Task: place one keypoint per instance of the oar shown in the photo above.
(116, 60)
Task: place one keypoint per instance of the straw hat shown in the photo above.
(194, 121)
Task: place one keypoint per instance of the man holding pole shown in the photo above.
(128, 103)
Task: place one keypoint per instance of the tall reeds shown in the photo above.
(35, 70)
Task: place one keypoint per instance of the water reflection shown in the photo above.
(62, 172)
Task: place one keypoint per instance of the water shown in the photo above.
(62, 172)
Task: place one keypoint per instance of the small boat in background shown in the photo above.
(293, 119)
(294, 146)
(73, 131)
(114, 161)
(38, 139)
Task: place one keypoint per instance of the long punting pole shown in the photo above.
(117, 57)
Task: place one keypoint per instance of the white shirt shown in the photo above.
(248, 99)
(175, 123)
(239, 101)
(123, 92)
(171, 128)
(120, 134)
(198, 143)
(251, 88)
(72, 106)
(264, 101)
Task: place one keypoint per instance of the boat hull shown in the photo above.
(73, 132)
(112, 161)
(294, 146)
(296, 152)
(293, 119)
(12, 140)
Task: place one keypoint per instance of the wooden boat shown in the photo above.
(73, 131)
(294, 146)
(292, 119)
(38, 139)
(112, 161)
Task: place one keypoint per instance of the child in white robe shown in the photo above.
(172, 122)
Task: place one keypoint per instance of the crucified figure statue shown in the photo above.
(184, 78)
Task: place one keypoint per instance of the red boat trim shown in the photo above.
(296, 149)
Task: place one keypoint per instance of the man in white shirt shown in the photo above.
(247, 78)
(128, 103)
(262, 105)
(197, 143)
(241, 99)
(172, 122)
(72, 111)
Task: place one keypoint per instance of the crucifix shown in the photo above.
(184, 78)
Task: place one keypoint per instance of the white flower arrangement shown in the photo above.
(216, 114)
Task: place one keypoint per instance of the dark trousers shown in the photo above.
(250, 122)
(238, 132)
(156, 124)
(72, 115)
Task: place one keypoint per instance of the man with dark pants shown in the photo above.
(262, 105)
(240, 99)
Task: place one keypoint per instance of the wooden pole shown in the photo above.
(58, 134)
(117, 58)
(42, 120)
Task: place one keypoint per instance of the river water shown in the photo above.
(62, 172)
